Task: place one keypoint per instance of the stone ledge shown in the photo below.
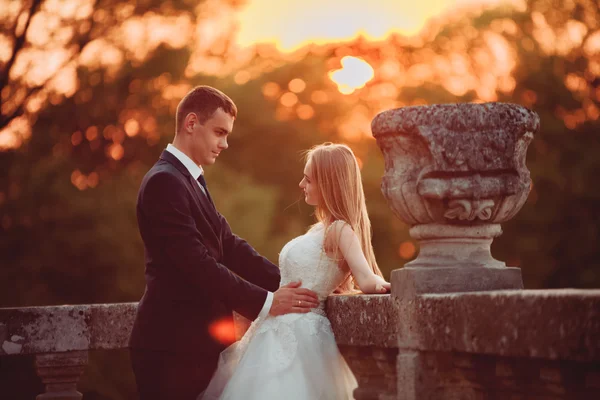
(363, 320)
(546, 324)
(550, 324)
(50, 329)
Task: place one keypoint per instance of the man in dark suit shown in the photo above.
(197, 270)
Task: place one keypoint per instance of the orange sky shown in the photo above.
(288, 24)
(293, 23)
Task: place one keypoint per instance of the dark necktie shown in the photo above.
(203, 183)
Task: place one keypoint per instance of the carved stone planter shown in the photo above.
(454, 173)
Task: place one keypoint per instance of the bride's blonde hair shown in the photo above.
(336, 173)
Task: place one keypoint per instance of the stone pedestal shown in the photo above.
(454, 259)
(60, 372)
(454, 173)
(410, 282)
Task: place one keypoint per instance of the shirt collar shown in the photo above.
(194, 170)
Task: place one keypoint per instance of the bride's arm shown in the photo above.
(349, 245)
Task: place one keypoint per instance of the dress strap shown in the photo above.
(337, 222)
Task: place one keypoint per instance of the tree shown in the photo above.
(50, 41)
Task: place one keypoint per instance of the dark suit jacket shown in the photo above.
(197, 270)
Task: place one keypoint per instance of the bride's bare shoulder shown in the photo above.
(334, 233)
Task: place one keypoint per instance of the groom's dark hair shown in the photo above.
(204, 101)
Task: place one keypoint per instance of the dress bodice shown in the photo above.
(305, 259)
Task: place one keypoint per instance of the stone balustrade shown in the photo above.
(522, 344)
(59, 338)
(510, 344)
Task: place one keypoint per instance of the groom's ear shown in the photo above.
(190, 121)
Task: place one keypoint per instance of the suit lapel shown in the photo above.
(171, 159)
(209, 211)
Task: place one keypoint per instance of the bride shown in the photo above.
(295, 356)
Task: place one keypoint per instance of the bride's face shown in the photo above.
(309, 187)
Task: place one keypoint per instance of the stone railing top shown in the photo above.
(551, 324)
(459, 117)
(363, 320)
(50, 329)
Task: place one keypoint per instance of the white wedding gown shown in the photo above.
(292, 356)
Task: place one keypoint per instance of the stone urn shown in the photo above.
(454, 173)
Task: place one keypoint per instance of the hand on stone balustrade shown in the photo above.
(382, 286)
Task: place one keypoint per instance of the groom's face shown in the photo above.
(210, 138)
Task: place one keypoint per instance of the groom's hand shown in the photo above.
(291, 298)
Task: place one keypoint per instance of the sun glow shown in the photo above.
(292, 24)
(244, 40)
(354, 74)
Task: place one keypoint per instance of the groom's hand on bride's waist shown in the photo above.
(291, 298)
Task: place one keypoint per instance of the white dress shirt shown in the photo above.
(196, 171)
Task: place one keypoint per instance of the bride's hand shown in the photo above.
(291, 298)
(382, 286)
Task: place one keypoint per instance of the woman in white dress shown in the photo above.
(295, 356)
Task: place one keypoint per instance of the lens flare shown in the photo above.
(223, 330)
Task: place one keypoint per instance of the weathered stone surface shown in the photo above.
(44, 329)
(110, 325)
(455, 163)
(514, 344)
(363, 320)
(365, 328)
(528, 344)
(374, 369)
(426, 375)
(35, 330)
(455, 246)
(551, 324)
(408, 282)
(459, 117)
(60, 373)
(454, 172)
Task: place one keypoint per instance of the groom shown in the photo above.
(197, 270)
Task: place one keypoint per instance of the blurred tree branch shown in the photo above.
(38, 31)
(20, 93)
(19, 40)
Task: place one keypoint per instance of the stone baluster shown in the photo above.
(374, 369)
(60, 372)
(454, 173)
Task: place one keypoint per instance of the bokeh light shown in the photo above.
(407, 250)
(223, 331)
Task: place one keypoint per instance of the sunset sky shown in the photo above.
(293, 23)
(288, 25)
